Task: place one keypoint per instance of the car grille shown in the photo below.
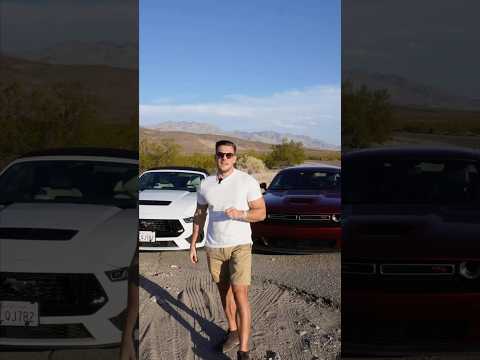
(170, 244)
(405, 278)
(36, 234)
(57, 294)
(323, 220)
(45, 331)
(162, 228)
(154, 202)
(401, 333)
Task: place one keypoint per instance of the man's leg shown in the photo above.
(240, 293)
(241, 274)
(228, 303)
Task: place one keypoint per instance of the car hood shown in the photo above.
(182, 204)
(415, 232)
(102, 237)
(302, 201)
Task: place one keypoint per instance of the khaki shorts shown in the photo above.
(231, 264)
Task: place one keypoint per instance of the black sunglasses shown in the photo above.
(220, 155)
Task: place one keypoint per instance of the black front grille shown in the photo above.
(162, 228)
(296, 244)
(45, 331)
(314, 220)
(402, 332)
(405, 278)
(56, 294)
(170, 244)
(154, 202)
(36, 234)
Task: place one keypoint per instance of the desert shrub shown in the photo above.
(250, 164)
(366, 116)
(287, 153)
(56, 116)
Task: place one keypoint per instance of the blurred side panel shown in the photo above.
(411, 170)
(68, 176)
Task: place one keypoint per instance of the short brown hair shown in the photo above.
(226, 143)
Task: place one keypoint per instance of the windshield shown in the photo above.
(170, 180)
(306, 179)
(411, 181)
(70, 181)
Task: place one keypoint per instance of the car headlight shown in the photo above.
(470, 269)
(117, 274)
(336, 218)
(188, 220)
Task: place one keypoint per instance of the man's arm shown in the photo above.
(256, 213)
(127, 349)
(198, 224)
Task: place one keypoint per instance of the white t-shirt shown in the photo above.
(236, 190)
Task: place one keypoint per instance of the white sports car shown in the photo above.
(68, 223)
(167, 203)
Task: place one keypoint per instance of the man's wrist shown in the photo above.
(244, 215)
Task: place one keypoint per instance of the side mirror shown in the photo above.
(263, 186)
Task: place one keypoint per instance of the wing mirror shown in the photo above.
(263, 186)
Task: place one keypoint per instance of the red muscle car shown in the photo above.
(411, 250)
(303, 211)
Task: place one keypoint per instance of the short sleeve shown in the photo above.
(254, 191)
(200, 197)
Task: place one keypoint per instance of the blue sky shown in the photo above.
(244, 65)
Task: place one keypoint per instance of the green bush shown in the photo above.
(366, 116)
(287, 153)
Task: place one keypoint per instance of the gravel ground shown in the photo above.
(295, 306)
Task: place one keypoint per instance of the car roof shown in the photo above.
(100, 152)
(182, 168)
(412, 152)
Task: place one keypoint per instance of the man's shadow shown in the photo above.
(202, 347)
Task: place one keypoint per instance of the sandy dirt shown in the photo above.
(181, 315)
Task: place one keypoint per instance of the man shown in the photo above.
(234, 200)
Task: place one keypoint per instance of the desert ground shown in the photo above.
(295, 307)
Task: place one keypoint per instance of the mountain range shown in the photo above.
(404, 92)
(119, 55)
(268, 137)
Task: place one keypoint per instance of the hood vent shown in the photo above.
(154, 202)
(36, 234)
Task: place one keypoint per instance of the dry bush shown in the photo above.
(250, 164)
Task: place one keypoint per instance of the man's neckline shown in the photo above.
(226, 177)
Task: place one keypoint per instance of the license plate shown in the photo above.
(18, 313)
(146, 236)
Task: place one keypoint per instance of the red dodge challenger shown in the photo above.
(411, 250)
(303, 211)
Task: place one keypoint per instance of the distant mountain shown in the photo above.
(110, 86)
(192, 142)
(188, 126)
(273, 137)
(268, 137)
(121, 55)
(404, 92)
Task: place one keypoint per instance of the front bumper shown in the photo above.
(174, 234)
(72, 331)
(296, 238)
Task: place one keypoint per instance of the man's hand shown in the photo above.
(235, 214)
(193, 255)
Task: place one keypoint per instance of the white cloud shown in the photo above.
(313, 111)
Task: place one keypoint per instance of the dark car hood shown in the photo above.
(415, 232)
(302, 201)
